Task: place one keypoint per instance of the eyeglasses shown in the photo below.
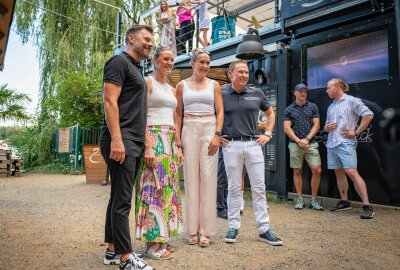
(197, 52)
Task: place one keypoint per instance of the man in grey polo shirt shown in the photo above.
(242, 144)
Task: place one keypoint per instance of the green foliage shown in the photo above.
(12, 104)
(53, 167)
(74, 102)
(34, 144)
(6, 132)
(72, 35)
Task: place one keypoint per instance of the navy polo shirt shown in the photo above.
(301, 117)
(241, 111)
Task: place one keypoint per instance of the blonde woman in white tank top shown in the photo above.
(158, 196)
(200, 104)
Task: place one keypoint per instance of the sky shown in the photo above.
(21, 71)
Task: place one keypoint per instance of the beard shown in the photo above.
(141, 51)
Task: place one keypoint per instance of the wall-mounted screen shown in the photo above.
(355, 59)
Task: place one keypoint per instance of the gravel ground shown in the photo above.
(56, 222)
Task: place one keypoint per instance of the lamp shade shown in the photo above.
(251, 47)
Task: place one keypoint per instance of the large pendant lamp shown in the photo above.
(251, 47)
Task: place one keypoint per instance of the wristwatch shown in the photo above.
(268, 133)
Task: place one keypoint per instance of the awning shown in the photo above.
(6, 15)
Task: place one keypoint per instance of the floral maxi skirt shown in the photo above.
(158, 195)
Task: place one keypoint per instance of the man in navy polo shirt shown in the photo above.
(301, 123)
(242, 144)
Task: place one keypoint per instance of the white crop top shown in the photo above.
(198, 102)
(162, 104)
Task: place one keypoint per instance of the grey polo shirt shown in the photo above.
(241, 111)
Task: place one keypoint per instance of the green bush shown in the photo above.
(34, 144)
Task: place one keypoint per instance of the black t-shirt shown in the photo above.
(241, 111)
(125, 71)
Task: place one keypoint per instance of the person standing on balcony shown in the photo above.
(204, 21)
(121, 140)
(341, 123)
(167, 20)
(158, 197)
(200, 99)
(186, 27)
(301, 123)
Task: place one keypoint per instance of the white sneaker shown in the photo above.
(300, 204)
(134, 263)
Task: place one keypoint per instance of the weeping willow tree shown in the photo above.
(76, 35)
(74, 38)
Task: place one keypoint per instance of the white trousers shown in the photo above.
(200, 172)
(235, 153)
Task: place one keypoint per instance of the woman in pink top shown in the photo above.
(186, 28)
(201, 100)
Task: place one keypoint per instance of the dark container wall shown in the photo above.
(376, 159)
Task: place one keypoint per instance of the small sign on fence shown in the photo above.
(63, 140)
(95, 166)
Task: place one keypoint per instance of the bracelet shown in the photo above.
(298, 141)
(218, 133)
(179, 146)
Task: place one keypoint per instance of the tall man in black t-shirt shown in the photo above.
(242, 144)
(122, 138)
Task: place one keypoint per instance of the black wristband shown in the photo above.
(218, 133)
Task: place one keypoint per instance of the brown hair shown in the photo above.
(234, 63)
(166, 3)
(158, 51)
(196, 52)
(339, 82)
(135, 29)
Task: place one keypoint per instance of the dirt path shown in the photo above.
(56, 222)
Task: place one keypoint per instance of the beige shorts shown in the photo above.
(297, 155)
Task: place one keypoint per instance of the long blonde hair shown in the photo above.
(340, 83)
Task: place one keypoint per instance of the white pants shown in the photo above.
(235, 153)
(200, 171)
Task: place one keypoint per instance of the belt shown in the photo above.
(243, 139)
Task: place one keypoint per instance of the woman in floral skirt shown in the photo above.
(158, 196)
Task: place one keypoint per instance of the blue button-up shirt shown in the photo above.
(345, 112)
(301, 118)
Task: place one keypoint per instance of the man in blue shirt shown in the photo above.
(242, 144)
(301, 123)
(341, 123)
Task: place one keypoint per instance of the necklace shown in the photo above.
(164, 86)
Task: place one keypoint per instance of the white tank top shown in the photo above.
(162, 104)
(198, 102)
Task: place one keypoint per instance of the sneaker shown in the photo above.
(342, 205)
(368, 212)
(222, 214)
(316, 206)
(134, 263)
(231, 235)
(270, 238)
(110, 258)
(300, 204)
